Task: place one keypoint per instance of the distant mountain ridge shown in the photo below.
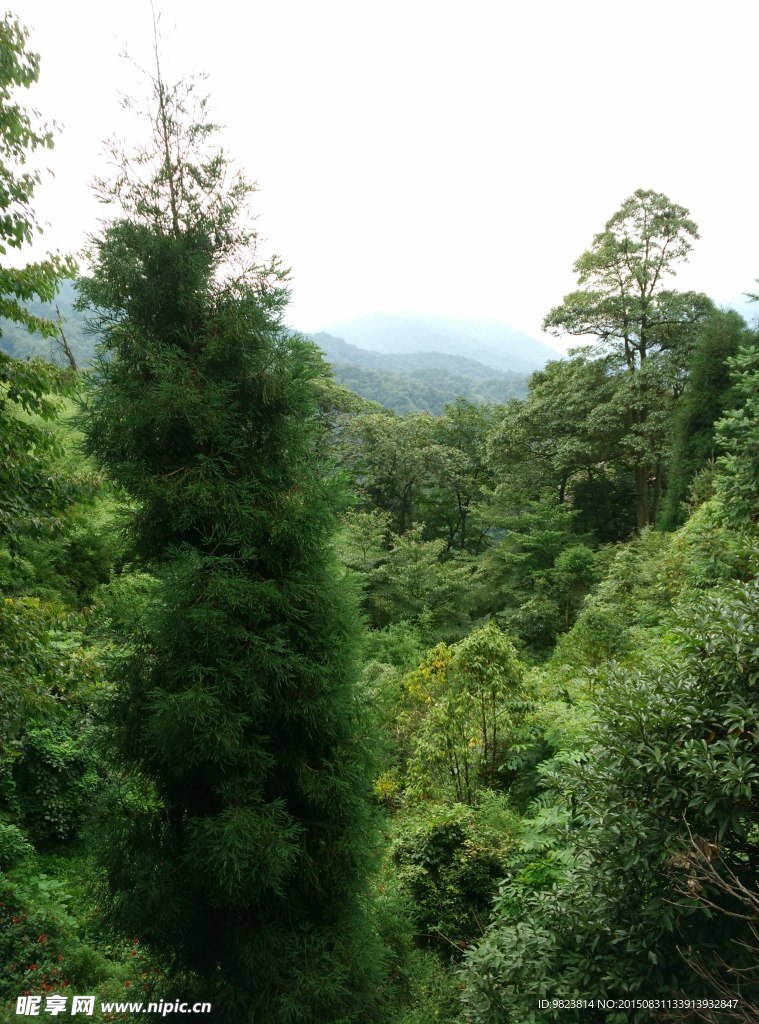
(417, 381)
(485, 341)
(19, 343)
(420, 379)
(337, 350)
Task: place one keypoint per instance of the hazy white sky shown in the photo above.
(424, 155)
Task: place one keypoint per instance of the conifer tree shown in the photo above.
(241, 839)
(705, 398)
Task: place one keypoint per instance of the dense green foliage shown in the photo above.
(30, 495)
(705, 398)
(428, 391)
(323, 712)
(667, 777)
(419, 381)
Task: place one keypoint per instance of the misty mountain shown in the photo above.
(418, 381)
(337, 350)
(486, 341)
(401, 381)
(18, 342)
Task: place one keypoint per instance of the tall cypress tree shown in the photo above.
(239, 847)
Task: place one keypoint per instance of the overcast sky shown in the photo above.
(423, 155)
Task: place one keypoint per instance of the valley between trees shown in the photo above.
(319, 712)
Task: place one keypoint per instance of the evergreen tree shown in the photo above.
(240, 841)
(737, 433)
(705, 398)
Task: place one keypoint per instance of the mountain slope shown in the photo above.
(486, 341)
(402, 381)
(18, 342)
(418, 381)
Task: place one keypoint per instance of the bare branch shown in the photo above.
(62, 341)
(708, 870)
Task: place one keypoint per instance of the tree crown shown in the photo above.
(19, 136)
(623, 300)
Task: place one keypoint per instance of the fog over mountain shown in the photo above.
(418, 381)
(486, 341)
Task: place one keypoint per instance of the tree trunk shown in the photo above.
(657, 492)
(641, 497)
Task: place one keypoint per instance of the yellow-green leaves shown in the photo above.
(461, 705)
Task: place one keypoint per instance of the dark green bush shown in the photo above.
(56, 776)
(449, 860)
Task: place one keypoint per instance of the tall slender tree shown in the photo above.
(239, 850)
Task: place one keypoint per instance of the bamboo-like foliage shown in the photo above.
(239, 839)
